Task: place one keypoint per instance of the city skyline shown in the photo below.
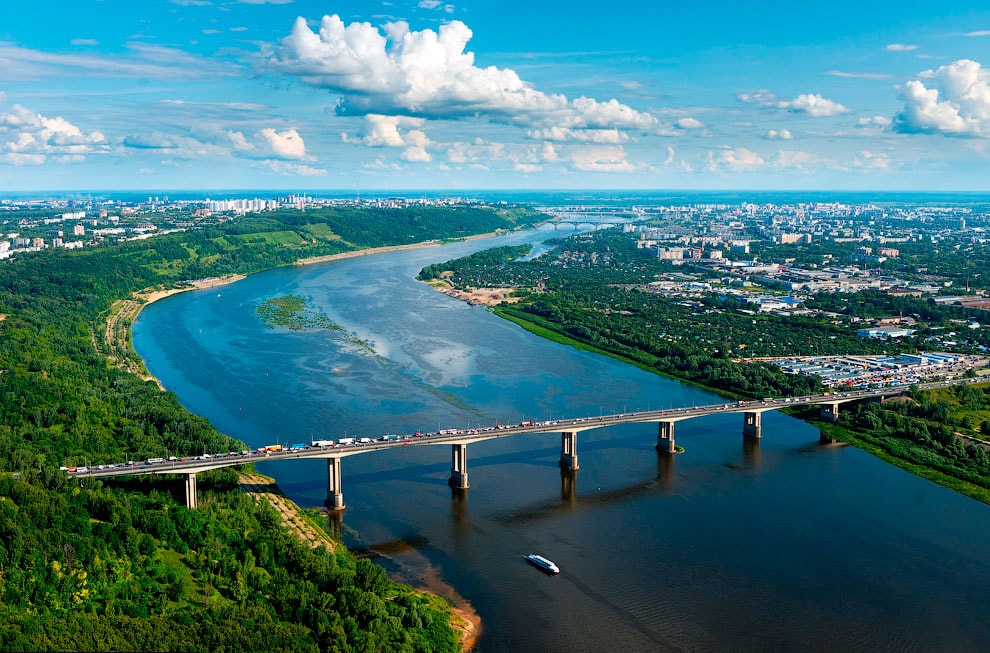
(211, 94)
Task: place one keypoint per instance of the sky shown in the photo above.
(478, 94)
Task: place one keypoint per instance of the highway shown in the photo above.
(188, 465)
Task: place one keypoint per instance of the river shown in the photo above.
(783, 544)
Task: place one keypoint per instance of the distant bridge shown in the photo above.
(458, 439)
(577, 224)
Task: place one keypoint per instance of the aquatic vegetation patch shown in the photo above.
(290, 311)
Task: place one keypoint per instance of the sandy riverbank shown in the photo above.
(391, 248)
(478, 296)
(150, 296)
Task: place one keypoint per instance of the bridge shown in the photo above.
(458, 439)
(577, 224)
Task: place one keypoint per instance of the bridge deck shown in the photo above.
(465, 436)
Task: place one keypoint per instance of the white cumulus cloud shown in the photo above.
(561, 134)
(812, 104)
(734, 159)
(875, 121)
(395, 131)
(430, 74)
(778, 135)
(901, 47)
(287, 144)
(29, 138)
(956, 104)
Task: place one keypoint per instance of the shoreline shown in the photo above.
(152, 296)
(118, 340)
(368, 251)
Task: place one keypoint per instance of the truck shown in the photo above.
(299, 446)
(526, 422)
(322, 443)
(364, 440)
(345, 441)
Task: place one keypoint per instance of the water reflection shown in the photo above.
(568, 487)
(665, 470)
(751, 454)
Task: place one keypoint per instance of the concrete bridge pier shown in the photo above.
(568, 451)
(458, 467)
(191, 498)
(665, 437)
(830, 412)
(335, 497)
(752, 424)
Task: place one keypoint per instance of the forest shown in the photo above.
(92, 566)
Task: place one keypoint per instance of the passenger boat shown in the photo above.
(542, 563)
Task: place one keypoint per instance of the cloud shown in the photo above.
(561, 134)
(429, 74)
(812, 104)
(796, 159)
(876, 121)
(143, 61)
(957, 104)
(734, 159)
(851, 75)
(283, 145)
(83, 42)
(778, 135)
(670, 157)
(690, 123)
(266, 2)
(295, 169)
(436, 4)
(268, 145)
(763, 97)
(29, 138)
(395, 131)
(603, 158)
(900, 47)
(982, 32)
(154, 140)
(871, 161)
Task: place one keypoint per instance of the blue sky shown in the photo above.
(423, 94)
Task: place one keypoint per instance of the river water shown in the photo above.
(784, 544)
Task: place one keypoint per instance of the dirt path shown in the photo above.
(123, 312)
(261, 488)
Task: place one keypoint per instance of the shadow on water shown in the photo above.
(570, 500)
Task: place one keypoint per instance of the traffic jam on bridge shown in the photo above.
(319, 448)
